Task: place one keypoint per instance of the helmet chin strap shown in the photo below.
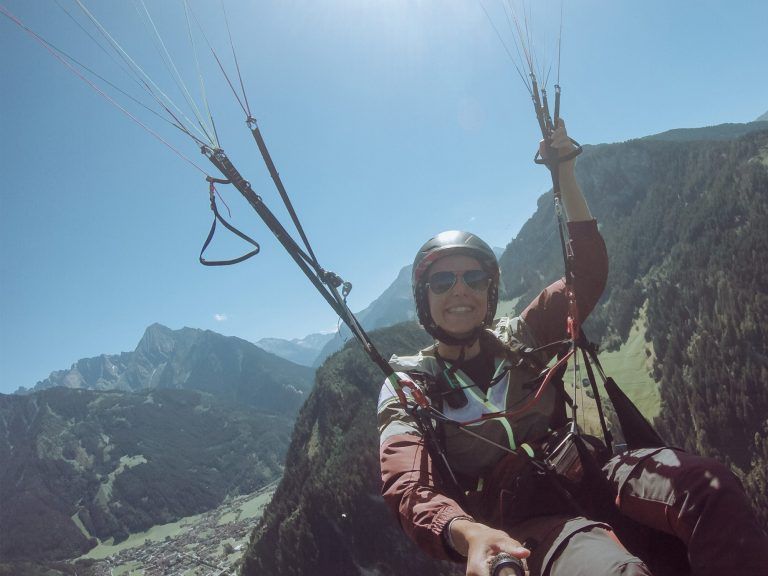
(462, 353)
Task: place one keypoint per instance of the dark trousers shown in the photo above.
(697, 500)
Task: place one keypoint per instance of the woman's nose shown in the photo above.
(459, 287)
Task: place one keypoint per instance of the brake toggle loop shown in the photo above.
(539, 159)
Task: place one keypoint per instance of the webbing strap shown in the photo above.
(218, 217)
(279, 185)
(607, 436)
(570, 156)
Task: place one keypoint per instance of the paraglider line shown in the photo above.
(106, 96)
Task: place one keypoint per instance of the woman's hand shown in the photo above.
(559, 142)
(573, 200)
(480, 543)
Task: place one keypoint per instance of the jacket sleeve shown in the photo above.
(410, 486)
(546, 315)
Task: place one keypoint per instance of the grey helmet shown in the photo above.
(445, 244)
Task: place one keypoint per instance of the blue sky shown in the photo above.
(389, 120)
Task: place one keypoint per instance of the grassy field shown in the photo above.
(154, 534)
(631, 366)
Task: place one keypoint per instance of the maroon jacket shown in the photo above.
(410, 487)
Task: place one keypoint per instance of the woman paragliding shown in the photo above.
(487, 483)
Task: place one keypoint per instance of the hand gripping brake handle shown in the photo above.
(504, 564)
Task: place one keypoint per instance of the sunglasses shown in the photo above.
(441, 282)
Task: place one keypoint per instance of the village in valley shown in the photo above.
(209, 544)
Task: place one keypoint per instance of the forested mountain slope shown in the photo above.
(719, 132)
(327, 516)
(81, 464)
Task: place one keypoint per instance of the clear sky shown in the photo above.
(389, 120)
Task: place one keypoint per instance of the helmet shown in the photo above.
(445, 244)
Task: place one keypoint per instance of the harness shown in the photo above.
(457, 391)
(565, 463)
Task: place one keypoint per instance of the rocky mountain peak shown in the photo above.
(231, 368)
(157, 341)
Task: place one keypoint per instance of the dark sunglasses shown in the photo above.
(441, 282)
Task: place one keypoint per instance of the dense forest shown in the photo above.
(685, 224)
(707, 313)
(80, 465)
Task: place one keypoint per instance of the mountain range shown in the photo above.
(394, 305)
(301, 351)
(119, 443)
(233, 369)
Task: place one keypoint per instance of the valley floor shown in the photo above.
(211, 543)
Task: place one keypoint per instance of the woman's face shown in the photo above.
(460, 309)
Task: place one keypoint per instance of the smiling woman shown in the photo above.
(455, 283)
(489, 462)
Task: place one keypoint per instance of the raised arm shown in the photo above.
(546, 314)
(574, 204)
